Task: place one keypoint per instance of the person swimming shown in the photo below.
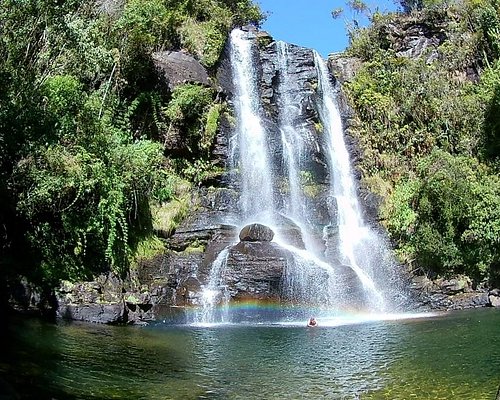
(312, 322)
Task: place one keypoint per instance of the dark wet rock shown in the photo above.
(92, 312)
(189, 287)
(184, 238)
(99, 301)
(223, 74)
(220, 147)
(455, 293)
(372, 203)
(179, 67)
(254, 270)
(24, 296)
(221, 200)
(292, 235)
(462, 301)
(459, 284)
(138, 307)
(256, 233)
(302, 85)
(222, 239)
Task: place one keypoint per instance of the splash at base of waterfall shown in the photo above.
(265, 313)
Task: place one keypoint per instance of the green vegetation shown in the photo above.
(83, 122)
(309, 185)
(428, 125)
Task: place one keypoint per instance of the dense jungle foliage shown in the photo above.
(429, 128)
(81, 122)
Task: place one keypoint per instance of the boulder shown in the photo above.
(179, 67)
(256, 233)
(458, 284)
(494, 300)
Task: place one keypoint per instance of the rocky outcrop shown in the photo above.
(254, 270)
(416, 38)
(450, 294)
(92, 312)
(494, 298)
(25, 297)
(179, 67)
(343, 67)
(302, 88)
(99, 301)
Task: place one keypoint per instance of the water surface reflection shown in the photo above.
(453, 356)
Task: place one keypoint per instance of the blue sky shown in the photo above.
(309, 23)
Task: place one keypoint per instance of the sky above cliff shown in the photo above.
(309, 23)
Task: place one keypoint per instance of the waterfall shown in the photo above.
(293, 146)
(214, 293)
(355, 240)
(252, 159)
(355, 254)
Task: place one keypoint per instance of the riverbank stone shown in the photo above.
(494, 298)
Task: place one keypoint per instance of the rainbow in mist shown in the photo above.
(274, 313)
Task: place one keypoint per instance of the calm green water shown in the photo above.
(455, 356)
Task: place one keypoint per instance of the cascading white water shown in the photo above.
(249, 154)
(214, 292)
(310, 277)
(307, 279)
(355, 238)
(293, 147)
(253, 155)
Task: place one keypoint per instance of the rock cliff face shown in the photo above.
(255, 266)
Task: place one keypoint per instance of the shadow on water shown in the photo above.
(82, 361)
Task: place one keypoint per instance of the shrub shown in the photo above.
(447, 218)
